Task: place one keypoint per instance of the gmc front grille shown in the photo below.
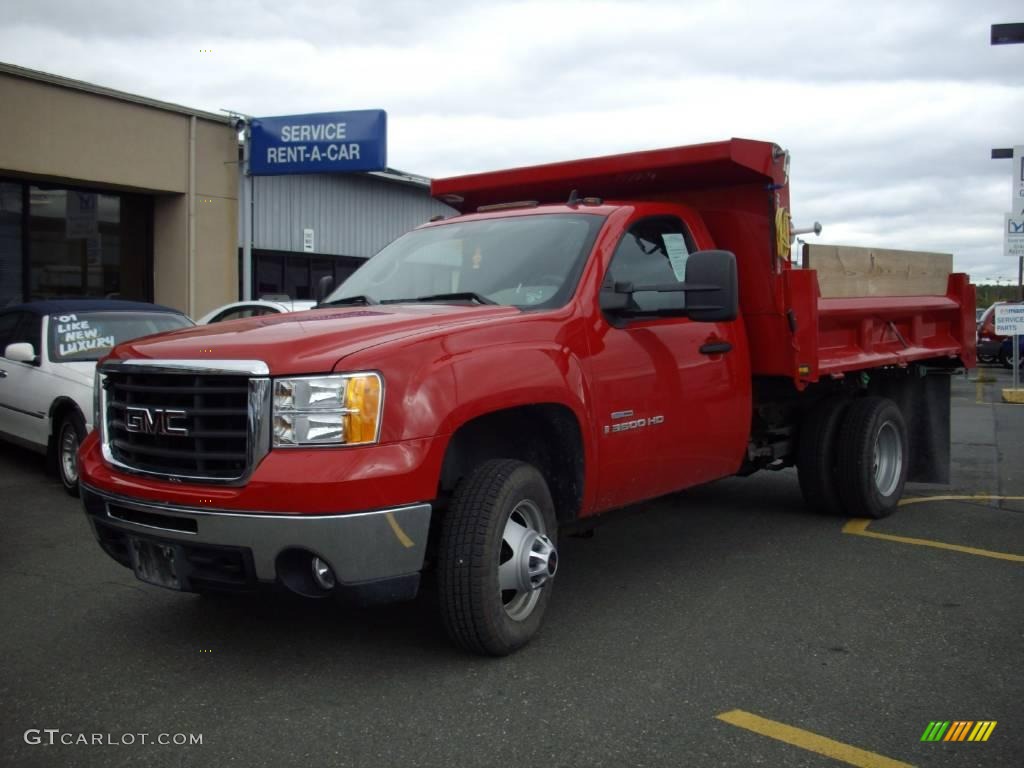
(189, 422)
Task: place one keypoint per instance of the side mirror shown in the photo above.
(324, 287)
(21, 352)
(616, 298)
(712, 287)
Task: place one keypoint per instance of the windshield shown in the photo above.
(85, 336)
(521, 261)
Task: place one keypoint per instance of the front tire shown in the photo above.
(873, 457)
(497, 558)
(69, 437)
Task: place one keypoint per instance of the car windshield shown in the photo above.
(529, 261)
(85, 336)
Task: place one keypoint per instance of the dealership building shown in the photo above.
(311, 225)
(108, 194)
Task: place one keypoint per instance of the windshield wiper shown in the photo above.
(457, 296)
(360, 299)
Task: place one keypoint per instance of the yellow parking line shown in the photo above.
(858, 526)
(812, 742)
(974, 497)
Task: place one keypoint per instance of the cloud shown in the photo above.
(889, 109)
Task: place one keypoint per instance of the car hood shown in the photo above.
(307, 342)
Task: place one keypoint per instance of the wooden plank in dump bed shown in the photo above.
(846, 271)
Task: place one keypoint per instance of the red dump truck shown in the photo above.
(583, 336)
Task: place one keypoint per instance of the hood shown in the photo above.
(308, 342)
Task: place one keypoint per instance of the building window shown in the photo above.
(58, 242)
(88, 244)
(295, 275)
(11, 253)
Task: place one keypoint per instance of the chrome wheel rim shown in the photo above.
(526, 562)
(888, 459)
(69, 454)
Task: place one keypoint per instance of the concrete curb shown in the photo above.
(1013, 396)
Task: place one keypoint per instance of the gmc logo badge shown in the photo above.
(154, 421)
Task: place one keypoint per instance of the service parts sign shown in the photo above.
(1010, 319)
(326, 142)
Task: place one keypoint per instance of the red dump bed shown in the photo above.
(740, 188)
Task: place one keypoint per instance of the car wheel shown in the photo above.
(497, 558)
(872, 457)
(69, 437)
(818, 455)
(1006, 357)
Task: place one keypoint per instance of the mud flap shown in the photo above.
(923, 395)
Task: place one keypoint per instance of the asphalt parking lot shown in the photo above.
(730, 598)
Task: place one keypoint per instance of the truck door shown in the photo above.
(671, 396)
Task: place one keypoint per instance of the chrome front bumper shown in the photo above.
(360, 547)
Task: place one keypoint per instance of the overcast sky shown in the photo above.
(889, 109)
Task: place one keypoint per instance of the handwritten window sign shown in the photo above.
(325, 142)
(88, 336)
(76, 336)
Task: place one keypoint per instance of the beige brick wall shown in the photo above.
(72, 136)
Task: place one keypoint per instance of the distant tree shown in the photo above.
(989, 294)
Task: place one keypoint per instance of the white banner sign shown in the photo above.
(307, 241)
(1010, 319)
(1013, 236)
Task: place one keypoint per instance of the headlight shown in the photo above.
(327, 410)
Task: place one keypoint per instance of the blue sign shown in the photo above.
(326, 142)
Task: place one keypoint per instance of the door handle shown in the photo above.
(715, 348)
(3, 373)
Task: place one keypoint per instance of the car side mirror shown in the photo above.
(324, 287)
(21, 352)
(712, 287)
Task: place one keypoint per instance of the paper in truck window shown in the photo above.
(675, 246)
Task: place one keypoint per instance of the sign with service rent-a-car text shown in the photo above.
(1010, 319)
(326, 142)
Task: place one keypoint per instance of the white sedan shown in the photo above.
(254, 308)
(49, 351)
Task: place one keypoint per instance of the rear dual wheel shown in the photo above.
(872, 457)
(852, 457)
(818, 455)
